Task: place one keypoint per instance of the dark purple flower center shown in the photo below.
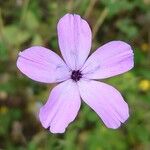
(76, 75)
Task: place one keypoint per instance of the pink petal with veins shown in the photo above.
(74, 37)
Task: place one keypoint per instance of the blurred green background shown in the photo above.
(24, 23)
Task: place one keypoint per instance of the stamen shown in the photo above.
(76, 75)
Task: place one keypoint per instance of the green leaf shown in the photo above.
(3, 52)
(15, 36)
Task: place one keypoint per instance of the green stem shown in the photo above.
(24, 12)
(90, 8)
(100, 21)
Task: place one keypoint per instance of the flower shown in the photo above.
(77, 75)
(144, 85)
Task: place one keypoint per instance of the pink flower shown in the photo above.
(77, 74)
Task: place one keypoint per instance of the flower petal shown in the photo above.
(61, 108)
(111, 59)
(43, 65)
(106, 101)
(74, 36)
